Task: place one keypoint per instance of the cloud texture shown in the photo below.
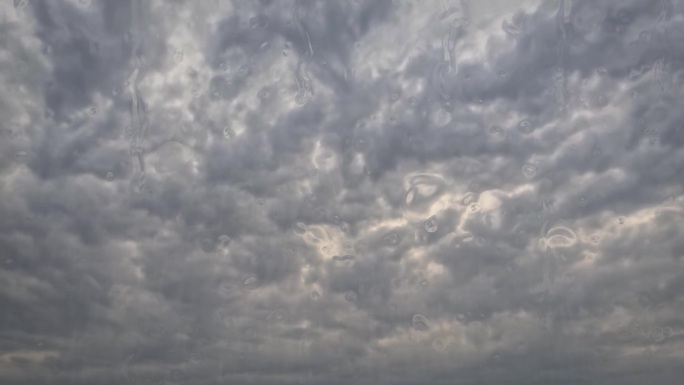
(341, 192)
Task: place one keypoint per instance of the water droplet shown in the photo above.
(343, 258)
(20, 4)
(351, 296)
(285, 52)
(110, 175)
(207, 245)
(529, 171)
(474, 208)
(264, 93)
(468, 198)
(589, 257)
(390, 239)
(410, 195)
(441, 117)
(243, 70)
(394, 97)
(431, 225)
(510, 28)
(601, 101)
(178, 56)
(496, 131)
(525, 126)
(439, 344)
(226, 288)
(223, 66)
(259, 21)
(658, 335)
(92, 110)
(315, 295)
(420, 322)
(265, 46)
(250, 283)
(21, 156)
(223, 241)
(621, 220)
(279, 315)
(228, 132)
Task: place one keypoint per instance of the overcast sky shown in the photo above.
(341, 192)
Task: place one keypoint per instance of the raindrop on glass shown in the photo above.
(250, 283)
(420, 322)
(431, 225)
(178, 56)
(529, 171)
(390, 239)
(351, 296)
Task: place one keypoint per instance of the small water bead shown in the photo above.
(589, 257)
(20, 4)
(441, 117)
(228, 132)
(223, 66)
(525, 126)
(474, 208)
(250, 283)
(529, 171)
(178, 56)
(394, 97)
(658, 335)
(343, 258)
(621, 220)
(207, 245)
(243, 70)
(109, 176)
(469, 198)
(390, 239)
(315, 295)
(351, 296)
(259, 21)
(92, 110)
(510, 28)
(226, 287)
(601, 101)
(439, 344)
(431, 225)
(496, 131)
(420, 322)
(264, 94)
(279, 315)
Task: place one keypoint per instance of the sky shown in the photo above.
(341, 192)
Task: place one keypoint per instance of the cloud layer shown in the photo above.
(357, 192)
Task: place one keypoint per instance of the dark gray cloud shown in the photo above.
(310, 192)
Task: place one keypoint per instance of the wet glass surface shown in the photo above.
(341, 192)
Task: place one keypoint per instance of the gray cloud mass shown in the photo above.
(341, 192)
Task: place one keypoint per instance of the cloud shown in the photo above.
(340, 192)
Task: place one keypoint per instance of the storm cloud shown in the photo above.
(341, 192)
